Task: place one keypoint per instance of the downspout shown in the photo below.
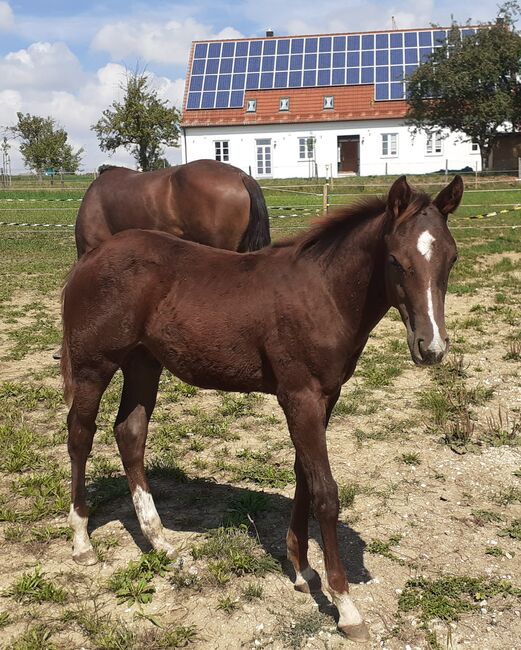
(184, 144)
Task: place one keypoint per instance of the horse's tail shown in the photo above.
(65, 359)
(257, 234)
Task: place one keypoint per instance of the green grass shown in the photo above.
(513, 531)
(37, 637)
(347, 493)
(449, 597)
(35, 588)
(303, 626)
(379, 547)
(233, 551)
(132, 583)
(258, 467)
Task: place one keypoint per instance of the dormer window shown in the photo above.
(284, 104)
(329, 101)
(251, 106)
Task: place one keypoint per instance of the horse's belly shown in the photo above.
(208, 360)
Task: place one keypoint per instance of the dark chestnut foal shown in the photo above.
(291, 320)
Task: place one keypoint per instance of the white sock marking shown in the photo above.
(80, 538)
(150, 521)
(349, 614)
(437, 344)
(424, 244)
(147, 514)
(304, 577)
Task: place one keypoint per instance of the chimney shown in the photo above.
(269, 32)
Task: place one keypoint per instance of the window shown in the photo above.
(222, 150)
(263, 156)
(389, 144)
(329, 101)
(306, 148)
(474, 147)
(251, 106)
(434, 144)
(284, 104)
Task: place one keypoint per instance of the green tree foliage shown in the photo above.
(471, 84)
(43, 144)
(141, 123)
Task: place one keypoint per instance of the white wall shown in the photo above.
(411, 158)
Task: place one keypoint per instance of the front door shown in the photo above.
(263, 157)
(349, 154)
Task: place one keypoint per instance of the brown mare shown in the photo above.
(204, 201)
(291, 320)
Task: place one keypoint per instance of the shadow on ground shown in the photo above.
(198, 505)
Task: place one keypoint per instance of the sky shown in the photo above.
(68, 59)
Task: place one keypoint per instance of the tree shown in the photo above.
(471, 84)
(141, 123)
(44, 144)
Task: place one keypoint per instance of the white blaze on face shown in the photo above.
(437, 344)
(424, 245)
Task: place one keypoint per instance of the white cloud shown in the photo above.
(6, 17)
(154, 41)
(41, 65)
(77, 108)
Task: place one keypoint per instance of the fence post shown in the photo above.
(446, 166)
(325, 198)
(476, 175)
(386, 169)
(519, 169)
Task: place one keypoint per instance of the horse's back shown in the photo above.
(204, 201)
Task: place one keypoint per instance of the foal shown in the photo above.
(291, 320)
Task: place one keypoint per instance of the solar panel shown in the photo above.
(221, 72)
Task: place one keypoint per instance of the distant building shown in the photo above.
(300, 106)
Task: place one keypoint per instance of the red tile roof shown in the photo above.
(305, 105)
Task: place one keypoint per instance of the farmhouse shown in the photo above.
(320, 105)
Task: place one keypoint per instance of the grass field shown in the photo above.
(428, 463)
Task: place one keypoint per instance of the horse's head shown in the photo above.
(420, 254)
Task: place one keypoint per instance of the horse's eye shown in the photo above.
(395, 263)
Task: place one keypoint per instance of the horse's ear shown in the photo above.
(399, 196)
(449, 198)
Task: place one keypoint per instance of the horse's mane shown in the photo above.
(329, 232)
(106, 168)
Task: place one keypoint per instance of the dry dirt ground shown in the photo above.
(427, 496)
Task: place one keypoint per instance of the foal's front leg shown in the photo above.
(306, 413)
(141, 373)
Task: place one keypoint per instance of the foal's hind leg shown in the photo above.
(141, 372)
(81, 423)
(306, 579)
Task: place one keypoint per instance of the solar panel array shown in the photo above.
(222, 71)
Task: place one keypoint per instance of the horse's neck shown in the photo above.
(357, 280)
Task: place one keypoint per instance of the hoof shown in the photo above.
(358, 633)
(86, 558)
(309, 585)
(171, 552)
(57, 355)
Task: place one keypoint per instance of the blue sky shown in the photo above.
(68, 59)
